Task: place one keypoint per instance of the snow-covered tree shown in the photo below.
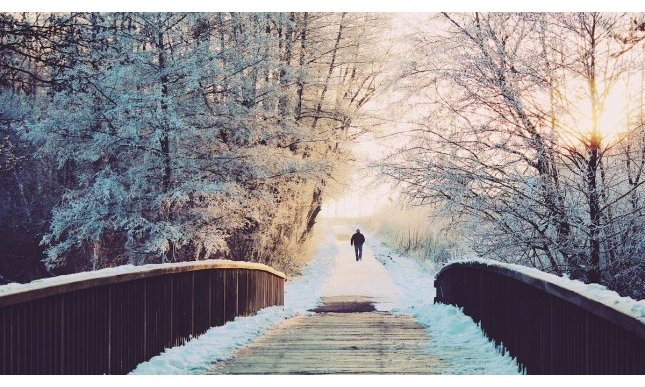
(191, 136)
(511, 140)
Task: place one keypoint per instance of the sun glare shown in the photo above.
(612, 120)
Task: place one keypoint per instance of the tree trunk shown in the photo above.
(301, 62)
(594, 211)
(321, 99)
(595, 140)
(286, 60)
(164, 141)
(314, 210)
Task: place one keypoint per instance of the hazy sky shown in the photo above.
(364, 193)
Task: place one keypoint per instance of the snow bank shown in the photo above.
(454, 337)
(595, 292)
(219, 343)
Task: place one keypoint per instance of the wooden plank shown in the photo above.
(231, 292)
(338, 343)
(218, 298)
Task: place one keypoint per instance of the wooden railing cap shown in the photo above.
(16, 293)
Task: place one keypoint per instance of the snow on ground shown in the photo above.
(454, 337)
(595, 292)
(219, 343)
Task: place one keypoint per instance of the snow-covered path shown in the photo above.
(403, 286)
(367, 278)
(397, 285)
(346, 335)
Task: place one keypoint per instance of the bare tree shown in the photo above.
(501, 144)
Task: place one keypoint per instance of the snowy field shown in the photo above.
(398, 283)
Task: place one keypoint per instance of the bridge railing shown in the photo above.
(548, 328)
(109, 324)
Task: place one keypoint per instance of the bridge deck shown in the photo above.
(337, 340)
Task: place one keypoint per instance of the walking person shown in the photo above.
(357, 241)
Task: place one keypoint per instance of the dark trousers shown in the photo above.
(358, 249)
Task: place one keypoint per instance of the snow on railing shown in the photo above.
(86, 279)
(596, 292)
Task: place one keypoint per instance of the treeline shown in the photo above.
(160, 137)
(529, 136)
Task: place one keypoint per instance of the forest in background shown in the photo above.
(524, 140)
(133, 138)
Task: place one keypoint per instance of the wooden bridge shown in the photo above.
(346, 336)
(110, 323)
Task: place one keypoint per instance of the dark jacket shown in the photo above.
(357, 239)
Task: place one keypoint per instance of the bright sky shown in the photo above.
(325, 6)
(365, 194)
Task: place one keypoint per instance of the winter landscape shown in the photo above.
(322, 193)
